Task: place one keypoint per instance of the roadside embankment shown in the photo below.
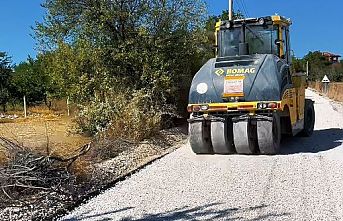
(335, 90)
(39, 187)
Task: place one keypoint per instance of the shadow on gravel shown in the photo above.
(206, 212)
(92, 217)
(209, 212)
(320, 141)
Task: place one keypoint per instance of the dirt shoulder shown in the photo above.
(40, 132)
(334, 90)
(93, 175)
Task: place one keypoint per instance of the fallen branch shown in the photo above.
(28, 176)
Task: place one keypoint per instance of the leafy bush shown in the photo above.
(135, 116)
(94, 117)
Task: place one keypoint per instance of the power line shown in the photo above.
(239, 4)
(241, 8)
(245, 8)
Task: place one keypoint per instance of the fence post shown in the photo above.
(68, 107)
(25, 112)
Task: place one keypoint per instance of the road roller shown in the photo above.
(247, 98)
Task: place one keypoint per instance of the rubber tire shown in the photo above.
(222, 137)
(309, 120)
(269, 135)
(242, 138)
(200, 137)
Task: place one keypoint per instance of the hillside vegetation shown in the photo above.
(319, 66)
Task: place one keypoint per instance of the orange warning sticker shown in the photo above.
(234, 86)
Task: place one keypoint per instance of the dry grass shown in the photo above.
(41, 132)
(58, 107)
(44, 131)
(335, 91)
(2, 121)
(3, 158)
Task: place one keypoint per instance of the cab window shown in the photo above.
(261, 40)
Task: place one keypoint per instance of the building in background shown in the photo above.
(333, 58)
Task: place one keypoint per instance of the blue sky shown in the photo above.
(16, 19)
(317, 24)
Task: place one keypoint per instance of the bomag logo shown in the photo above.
(241, 71)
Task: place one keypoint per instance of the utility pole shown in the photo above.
(230, 10)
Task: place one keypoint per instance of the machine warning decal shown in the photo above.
(220, 72)
(234, 86)
(241, 71)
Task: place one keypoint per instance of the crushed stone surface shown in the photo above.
(305, 182)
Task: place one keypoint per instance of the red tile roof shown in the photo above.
(328, 54)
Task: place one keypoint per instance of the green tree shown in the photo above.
(29, 80)
(319, 66)
(95, 50)
(337, 72)
(298, 65)
(118, 41)
(5, 78)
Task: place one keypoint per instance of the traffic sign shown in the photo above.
(326, 79)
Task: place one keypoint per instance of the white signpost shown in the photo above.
(326, 82)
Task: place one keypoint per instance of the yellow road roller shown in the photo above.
(247, 97)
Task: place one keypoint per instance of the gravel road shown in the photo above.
(305, 182)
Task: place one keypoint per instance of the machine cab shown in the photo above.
(245, 98)
(265, 35)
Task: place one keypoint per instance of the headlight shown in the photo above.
(202, 88)
(204, 107)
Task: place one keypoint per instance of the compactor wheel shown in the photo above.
(222, 136)
(269, 134)
(243, 137)
(200, 137)
(309, 119)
